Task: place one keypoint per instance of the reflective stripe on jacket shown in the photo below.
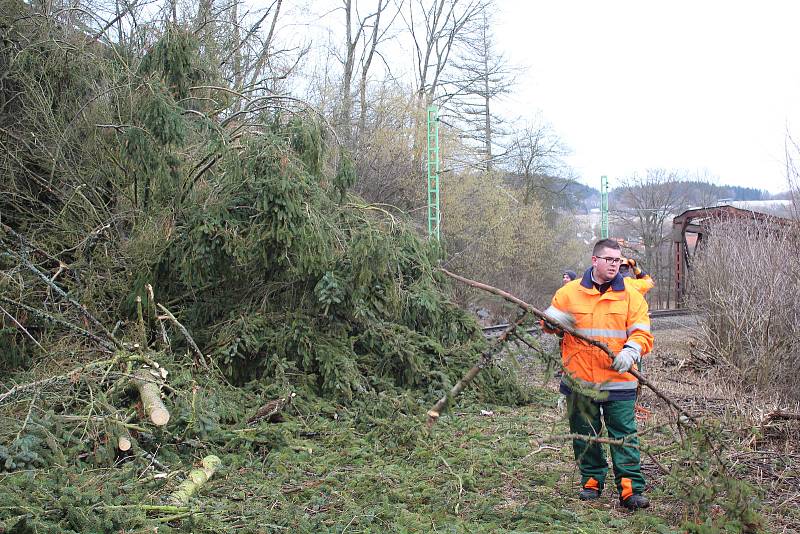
(617, 317)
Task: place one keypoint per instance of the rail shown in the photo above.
(674, 312)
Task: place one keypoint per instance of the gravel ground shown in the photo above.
(676, 322)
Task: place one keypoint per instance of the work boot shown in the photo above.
(635, 501)
(588, 494)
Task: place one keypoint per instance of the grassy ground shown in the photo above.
(332, 473)
(473, 473)
(476, 471)
(480, 469)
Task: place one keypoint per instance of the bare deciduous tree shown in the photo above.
(377, 36)
(792, 152)
(749, 313)
(352, 40)
(364, 33)
(646, 203)
(382, 159)
(536, 154)
(480, 75)
(435, 28)
(252, 58)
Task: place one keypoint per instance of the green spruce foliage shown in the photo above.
(281, 279)
(248, 234)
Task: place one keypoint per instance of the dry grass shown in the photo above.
(764, 450)
(761, 450)
(745, 279)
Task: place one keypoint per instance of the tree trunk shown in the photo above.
(487, 134)
(238, 71)
(264, 56)
(347, 75)
(124, 442)
(195, 480)
(150, 393)
(362, 86)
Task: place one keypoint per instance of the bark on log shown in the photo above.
(195, 480)
(150, 393)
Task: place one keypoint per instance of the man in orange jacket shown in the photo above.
(603, 306)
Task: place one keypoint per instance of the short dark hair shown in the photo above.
(604, 243)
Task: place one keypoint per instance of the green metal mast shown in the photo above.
(604, 207)
(433, 173)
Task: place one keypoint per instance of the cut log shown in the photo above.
(195, 480)
(124, 443)
(150, 393)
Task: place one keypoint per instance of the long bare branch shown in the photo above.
(483, 361)
(589, 341)
(85, 312)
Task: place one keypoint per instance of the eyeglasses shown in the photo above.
(612, 261)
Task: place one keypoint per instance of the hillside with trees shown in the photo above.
(696, 193)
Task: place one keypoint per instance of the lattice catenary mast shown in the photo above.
(604, 207)
(433, 173)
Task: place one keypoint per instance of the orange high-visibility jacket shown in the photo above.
(617, 317)
(642, 285)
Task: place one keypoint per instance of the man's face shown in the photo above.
(606, 264)
(566, 279)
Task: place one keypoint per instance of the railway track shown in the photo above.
(675, 312)
(497, 329)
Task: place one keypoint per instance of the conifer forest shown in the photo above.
(221, 309)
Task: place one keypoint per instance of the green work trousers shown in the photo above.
(620, 421)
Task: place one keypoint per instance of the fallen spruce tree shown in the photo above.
(167, 265)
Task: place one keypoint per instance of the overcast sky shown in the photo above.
(704, 85)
